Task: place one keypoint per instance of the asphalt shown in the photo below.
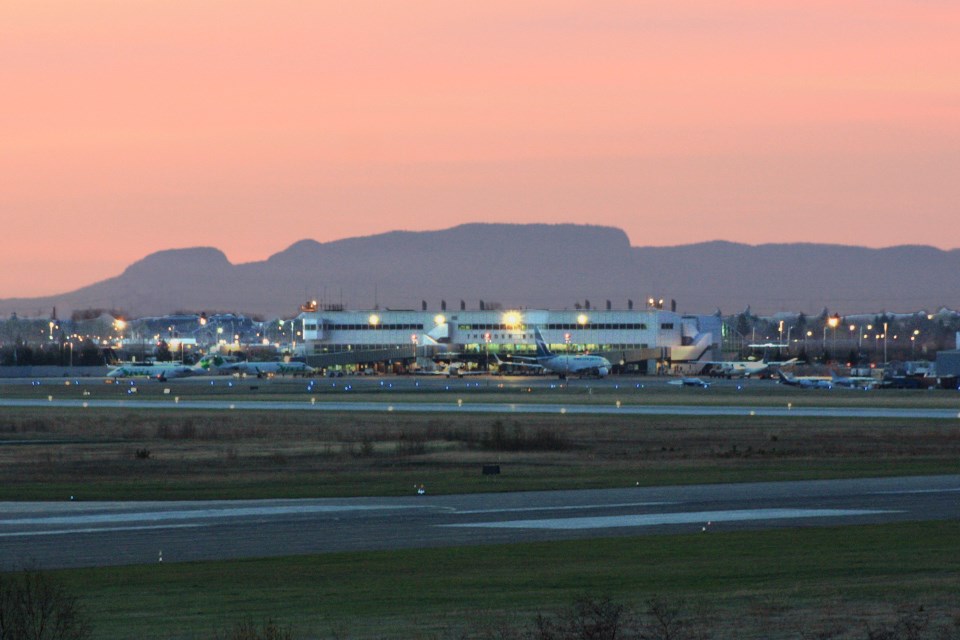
(79, 534)
(457, 406)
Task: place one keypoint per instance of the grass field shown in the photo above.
(798, 583)
(52, 453)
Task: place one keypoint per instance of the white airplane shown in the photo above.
(153, 370)
(261, 369)
(744, 368)
(582, 365)
(458, 369)
(690, 382)
(518, 366)
(804, 383)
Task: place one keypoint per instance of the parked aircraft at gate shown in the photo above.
(581, 365)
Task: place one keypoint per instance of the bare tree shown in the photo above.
(588, 619)
(248, 630)
(34, 606)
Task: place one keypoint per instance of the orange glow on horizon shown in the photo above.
(132, 127)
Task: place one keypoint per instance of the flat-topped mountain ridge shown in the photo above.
(524, 265)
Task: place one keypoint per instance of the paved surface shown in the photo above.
(74, 534)
(453, 406)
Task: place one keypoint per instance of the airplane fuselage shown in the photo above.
(576, 365)
(266, 368)
(159, 372)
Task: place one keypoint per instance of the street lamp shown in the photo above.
(853, 328)
(834, 321)
(582, 320)
(884, 344)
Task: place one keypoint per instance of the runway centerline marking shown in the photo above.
(580, 507)
(63, 532)
(195, 514)
(656, 519)
(914, 491)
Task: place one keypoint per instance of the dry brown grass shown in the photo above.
(149, 450)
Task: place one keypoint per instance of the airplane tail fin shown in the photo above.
(542, 350)
(782, 376)
(209, 362)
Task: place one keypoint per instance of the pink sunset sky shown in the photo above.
(131, 126)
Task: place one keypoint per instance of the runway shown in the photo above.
(454, 406)
(77, 534)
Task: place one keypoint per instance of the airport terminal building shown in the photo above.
(645, 341)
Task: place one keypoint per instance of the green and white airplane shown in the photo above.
(261, 369)
(157, 371)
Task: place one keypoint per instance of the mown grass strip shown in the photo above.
(403, 479)
(402, 594)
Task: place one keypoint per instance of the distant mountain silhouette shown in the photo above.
(524, 265)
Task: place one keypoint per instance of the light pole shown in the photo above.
(833, 321)
(486, 350)
(582, 320)
(884, 345)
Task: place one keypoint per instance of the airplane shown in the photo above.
(161, 372)
(518, 366)
(261, 369)
(744, 368)
(853, 382)
(690, 382)
(458, 369)
(564, 365)
(804, 383)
